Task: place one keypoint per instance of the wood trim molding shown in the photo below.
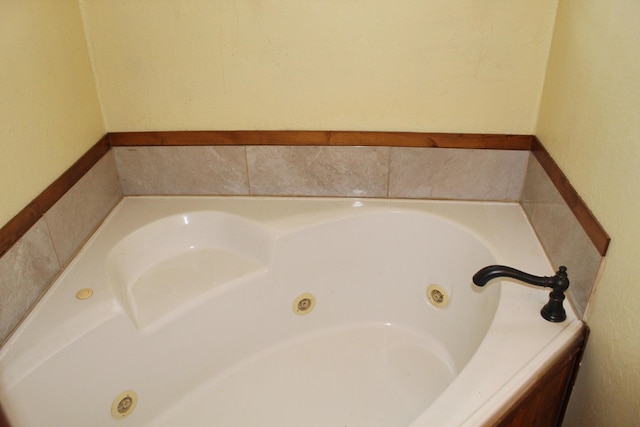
(4, 422)
(27, 217)
(585, 217)
(336, 138)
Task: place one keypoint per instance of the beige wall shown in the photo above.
(460, 66)
(590, 122)
(438, 65)
(49, 109)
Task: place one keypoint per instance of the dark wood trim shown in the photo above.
(336, 138)
(4, 421)
(585, 217)
(27, 217)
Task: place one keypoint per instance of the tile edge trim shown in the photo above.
(592, 227)
(329, 138)
(13, 230)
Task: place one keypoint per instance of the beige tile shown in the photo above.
(74, 217)
(26, 270)
(318, 171)
(449, 173)
(561, 234)
(183, 170)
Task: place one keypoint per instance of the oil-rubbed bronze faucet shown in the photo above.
(553, 311)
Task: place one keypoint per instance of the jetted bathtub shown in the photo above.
(223, 311)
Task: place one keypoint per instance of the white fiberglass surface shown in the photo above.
(193, 310)
(364, 375)
(172, 261)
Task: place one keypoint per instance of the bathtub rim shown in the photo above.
(384, 202)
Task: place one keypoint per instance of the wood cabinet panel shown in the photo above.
(544, 403)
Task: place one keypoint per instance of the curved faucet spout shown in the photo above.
(491, 272)
(553, 311)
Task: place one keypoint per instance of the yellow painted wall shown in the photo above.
(49, 109)
(437, 65)
(460, 66)
(590, 122)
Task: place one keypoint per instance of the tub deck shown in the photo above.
(194, 308)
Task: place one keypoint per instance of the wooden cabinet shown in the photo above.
(544, 403)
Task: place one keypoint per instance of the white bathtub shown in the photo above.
(194, 310)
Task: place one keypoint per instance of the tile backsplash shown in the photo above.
(435, 173)
(74, 217)
(318, 171)
(26, 270)
(183, 170)
(561, 235)
(332, 171)
(32, 264)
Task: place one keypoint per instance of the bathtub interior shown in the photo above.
(176, 260)
(192, 308)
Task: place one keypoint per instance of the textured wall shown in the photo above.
(590, 123)
(49, 109)
(439, 65)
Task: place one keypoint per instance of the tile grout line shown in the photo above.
(246, 167)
